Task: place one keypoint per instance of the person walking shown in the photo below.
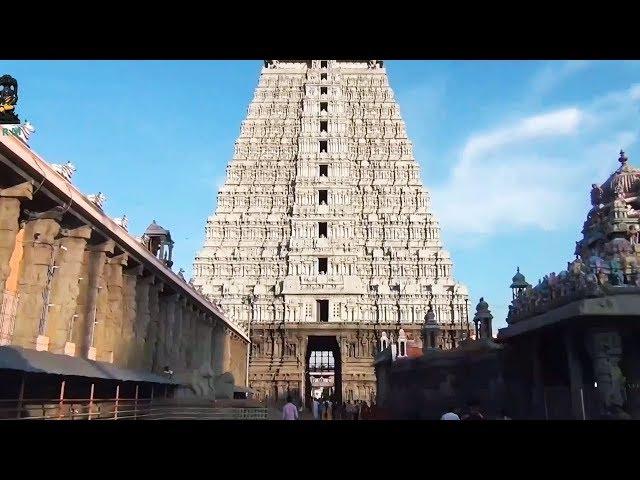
(315, 407)
(320, 410)
(328, 410)
(335, 413)
(289, 411)
(355, 410)
(365, 412)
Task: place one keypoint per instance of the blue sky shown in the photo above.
(508, 149)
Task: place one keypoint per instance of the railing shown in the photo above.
(124, 409)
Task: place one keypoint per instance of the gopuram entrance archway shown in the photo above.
(283, 360)
(323, 373)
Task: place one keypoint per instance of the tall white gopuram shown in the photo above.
(323, 230)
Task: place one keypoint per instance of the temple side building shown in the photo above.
(575, 336)
(571, 349)
(81, 296)
(323, 239)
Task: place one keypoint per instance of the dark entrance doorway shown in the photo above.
(323, 373)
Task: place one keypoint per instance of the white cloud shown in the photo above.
(560, 122)
(535, 171)
(554, 73)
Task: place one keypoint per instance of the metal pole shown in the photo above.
(21, 396)
(584, 415)
(61, 403)
(115, 413)
(91, 401)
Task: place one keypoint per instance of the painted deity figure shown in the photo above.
(8, 100)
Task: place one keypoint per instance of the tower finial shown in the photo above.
(623, 157)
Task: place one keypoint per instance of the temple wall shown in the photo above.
(67, 290)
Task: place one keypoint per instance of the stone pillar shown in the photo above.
(207, 331)
(538, 401)
(196, 359)
(95, 307)
(168, 348)
(605, 349)
(143, 318)
(218, 353)
(9, 215)
(575, 376)
(187, 335)
(34, 279)
(65, 289)
(127, 347)
(226, 358)
(178, 336)
(151, 342)
(110, 337)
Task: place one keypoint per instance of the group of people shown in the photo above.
(329, 409)
(473, 412)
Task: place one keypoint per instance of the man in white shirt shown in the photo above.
(290, 411)
(450, 415)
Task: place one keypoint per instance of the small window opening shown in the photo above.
(324, 170)
(322, 265)
(323, 76)
(323, 146)
(322, 229)
(324, 64)
(323, 310)
(324, 106)
(323, 90)
(324, 125)
(323, 195)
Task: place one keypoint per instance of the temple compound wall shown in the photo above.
(74, 282)
(323, 227)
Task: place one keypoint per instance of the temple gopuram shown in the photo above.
(323, 239)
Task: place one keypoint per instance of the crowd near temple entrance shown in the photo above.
(323, 369)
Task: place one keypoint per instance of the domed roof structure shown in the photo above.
(518, 280)
(625, 181)
(482, 306)
(155, 229)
